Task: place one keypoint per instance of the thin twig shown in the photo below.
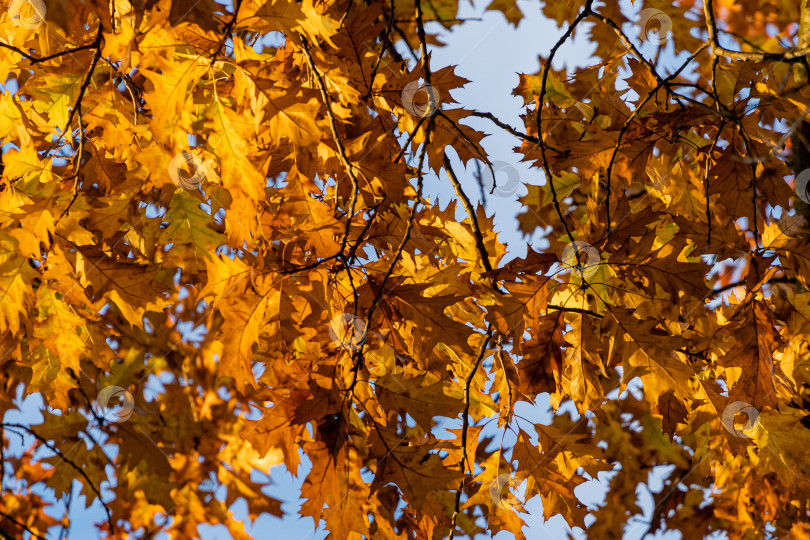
(575, 310)
(509, 129)
(39, 59)
(465, 201)
(385, 41)
(83, 89)
(336, 136)
(546, 68)
(64, 458)
(753, 163)
(662, 83)
(464, 464)
(420, 31)
(655, 519)
(742, 282)
(7, 536)
(706, 184)
(470, 144)
(402, 35)
(411, 135)
(77, 167)
(226, 32)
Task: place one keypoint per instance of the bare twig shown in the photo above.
(338, 143)
(706, 184)
(464, 464)
(5, 535)
(77, 167)
(575, 310)
(465, 201)
(546, 68)
(67, 460)
(40, 59)
(411, 135)
(742, 282)
(420, 31)
(226, 32)
(655, 519)
(661, 84)
(385, 42)
(506, 127)
(83, 89)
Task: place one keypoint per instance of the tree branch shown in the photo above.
(39, 59)
(792, 57)
(464, 463)
(385, 42)
(67, 460)
(226, 32)
(506, 127)
(341, 150)
(83, 89)
(541, 98)
(465, 201)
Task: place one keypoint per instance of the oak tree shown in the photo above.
(217, 256)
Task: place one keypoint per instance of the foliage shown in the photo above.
(216, 256)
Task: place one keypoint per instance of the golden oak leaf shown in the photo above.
(50, 377)
(415, 471)
(555, 490)
(509, 8)
(229, 130)
(15, 278)
(243, 317)
(188, 231)
(672, 412)
(60, 329)
(495, 495)
(127, 285)
(784, 444)
(172, 80)
(422, 401)
(541, 363)
(753, 340)
(649, 352)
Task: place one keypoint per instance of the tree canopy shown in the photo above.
(217, 256)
